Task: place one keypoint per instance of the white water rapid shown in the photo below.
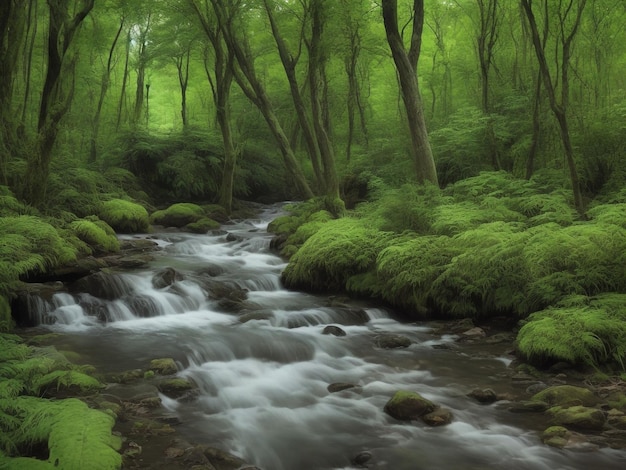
(263, 371)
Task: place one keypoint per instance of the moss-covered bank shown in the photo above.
(487, 246)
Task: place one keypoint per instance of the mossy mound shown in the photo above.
(125, 216)
(202, 225)
(96, 233)
(562, 395)
(406, 405)
(178, 215)
(581, 330)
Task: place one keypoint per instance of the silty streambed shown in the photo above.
(263, 381)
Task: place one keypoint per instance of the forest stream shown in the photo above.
(263, 366)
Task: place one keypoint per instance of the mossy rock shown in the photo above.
(579, 417)
(125, 216)
(175, 388)
(97, 234)
(178, 215)
(163, 366)
(563, 395)
(406, 405)
(202, 225)
(556, 436)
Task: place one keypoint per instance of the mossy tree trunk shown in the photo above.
(142, 62)
(406, 66)
(573, 9)
(12, 26)
(57, 93)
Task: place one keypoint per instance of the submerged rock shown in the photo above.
(166, 277)
(390, 341)
(439, 417)
(175, 388)
(333, 330)
(339, 387)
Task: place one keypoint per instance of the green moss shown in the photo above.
(202, 225)
(97, 234)
(338, 250)
(178, 215)
(590, 331)
(125, 216)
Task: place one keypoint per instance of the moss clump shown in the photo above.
(178, 215)
(563, 395)
(202, 225)
(583, 330)
(96, 233)
(338, 250)
(407, 405)
(125, 216)
(163, 366)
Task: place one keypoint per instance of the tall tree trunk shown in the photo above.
(559, 108)
(289, 62)
(104, 86)
(319, 104)
(12, 25)
(141, 71)
(406, 66)
(120, 105)
(56, 96)
(252, 87)
(182, 65)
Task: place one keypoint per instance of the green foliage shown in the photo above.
(178, 215)
(338, 250)
(29, 244)
(96, 233)
(124, 216)
(10, 206)
(581, 330)
(202, 225)
(6, 321)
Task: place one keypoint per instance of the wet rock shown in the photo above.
(223, 460)
(175, 388)
(231, 237)
(339, 386)
(230, 298)
(103, 285)
(472, 334)
(211, 270)
(486, 395)
(163, 366)
(439, 417)
(564, 395)
(143, 306)
(529, 406)
(333, 330)
(579, 417)
(390, 341)
(135, 261)
(139, 245)
(617, 421)
(562, 438)
(499, 338)
(461, 325)
(361, 459)
(406, 405)
(166, 277)
(536, 388)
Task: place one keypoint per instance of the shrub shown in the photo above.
(338, 250)
(581, 330)
(125, 216)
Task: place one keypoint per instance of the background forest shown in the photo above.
(110, 110)
(456, 158)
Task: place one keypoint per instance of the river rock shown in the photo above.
(175, 388)
(579, 417)
(564, 395)
(390, 341)
(163, 366)
(103, 285)
(333, 330)
(439, 417)
(361, 459)
(529, 406)
(485, 395)
(406, 405)
(339, 387)
(473, 333)
(166, 277)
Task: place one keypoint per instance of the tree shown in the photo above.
(568, 14)
(406, 67)
(57, 92)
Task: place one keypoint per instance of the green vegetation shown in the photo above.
(96, 233)
(67, 432)
(125, 216)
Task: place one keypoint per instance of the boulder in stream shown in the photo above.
(390, 341)
(175, 388)
(485, 395)
(406, 406)
(580, 417)
(333, 330)
(163, 366)
(564, 395)
(166, 277)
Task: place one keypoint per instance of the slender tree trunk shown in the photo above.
(534, 143)
(182, 65)
(406, 66)
(559, 109)
(106, 77)
(56, 96)
(289, 62)
(120, 105)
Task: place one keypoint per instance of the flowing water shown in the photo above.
(263, 373)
